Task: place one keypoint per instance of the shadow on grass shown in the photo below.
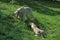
(8, 30)
(42, 8)
(6, 1)
(53, 4)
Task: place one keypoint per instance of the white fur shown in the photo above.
(35, 29)
(23, 12)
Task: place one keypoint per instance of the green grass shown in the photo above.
(47, 14)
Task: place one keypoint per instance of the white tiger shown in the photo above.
(23, 13)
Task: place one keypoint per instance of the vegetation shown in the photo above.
(46, 13)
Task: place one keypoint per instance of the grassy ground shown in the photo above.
(47, 14)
